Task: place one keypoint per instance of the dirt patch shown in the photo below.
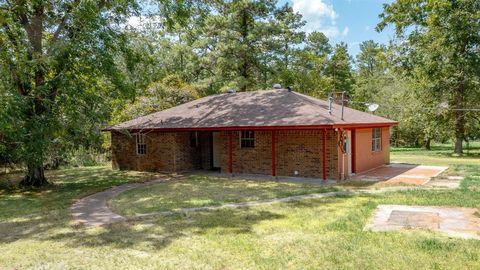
(453, 221)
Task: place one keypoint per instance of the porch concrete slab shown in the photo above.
(401, 174)
(453, 221)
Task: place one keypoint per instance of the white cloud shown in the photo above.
(319, 16)
(345, 31)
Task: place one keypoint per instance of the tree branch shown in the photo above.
(62, 24)
(16, 78)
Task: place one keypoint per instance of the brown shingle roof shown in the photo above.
(270, 108)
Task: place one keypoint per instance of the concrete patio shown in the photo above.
(398, 173)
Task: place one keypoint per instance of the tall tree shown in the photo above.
(310, 66)
(440, 42)
(371, 73)
(371, 59)
(340, 70)
(283, 42)
(58, 54)
(243, 43)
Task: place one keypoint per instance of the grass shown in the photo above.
(440, 155)
(36, 232)
(197, 191)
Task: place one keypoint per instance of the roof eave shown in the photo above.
(232, 128)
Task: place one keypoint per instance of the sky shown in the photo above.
(350, 21)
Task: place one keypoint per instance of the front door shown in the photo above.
(216, 149)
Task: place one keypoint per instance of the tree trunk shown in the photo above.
(245, 64)
(458, 146)
(35, 176)
(428, 144)
(459, 119)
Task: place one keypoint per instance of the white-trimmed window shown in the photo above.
(141, 144)
(376, 139)
(247, 139)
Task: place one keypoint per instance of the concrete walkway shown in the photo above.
(92, 210)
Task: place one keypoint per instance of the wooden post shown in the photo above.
(324, 154)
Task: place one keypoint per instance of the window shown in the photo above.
(193, 139)
(376, 139)
(247, 139)
(141, 144)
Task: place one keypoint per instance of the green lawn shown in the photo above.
(440, 155)
(197, 191)
(36, 232)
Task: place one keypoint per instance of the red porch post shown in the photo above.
(274, 171)
(230, 166)
(353, 146)
(324, 154)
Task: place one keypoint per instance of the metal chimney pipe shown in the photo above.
(343, 102)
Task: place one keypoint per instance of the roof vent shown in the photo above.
(232, 90)
(277, 86)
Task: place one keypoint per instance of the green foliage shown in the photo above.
(62, 61)
(171, 91)
(82, 157)
(69, 69)
(439, 50)
(305, 235)
(340, 70)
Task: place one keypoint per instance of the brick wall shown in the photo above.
(186, 157)
(255, 160)
(159, 156)
(332, 154)
(166, 152)
(299, 151)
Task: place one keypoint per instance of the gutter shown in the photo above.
(269, 128)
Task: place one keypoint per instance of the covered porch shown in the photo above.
(287, 152)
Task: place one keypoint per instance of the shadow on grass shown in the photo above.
(159, 232)
(44, 215)
(162, 231)
(53, 223)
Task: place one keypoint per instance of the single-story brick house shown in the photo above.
(274, 132)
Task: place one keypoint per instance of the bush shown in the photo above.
(82, 157)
